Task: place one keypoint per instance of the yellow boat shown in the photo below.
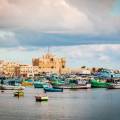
(19, 93)
(25, 84)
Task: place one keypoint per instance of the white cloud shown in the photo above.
(59, 16)
(8, 38)
(20, 48)
(72, 52)
(108, 47)
(44, 15)
(115, 47)
(104, 58)
(4, 35)
(91, 55)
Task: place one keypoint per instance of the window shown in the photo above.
(51, 59)
(52, 67)
(63, 66)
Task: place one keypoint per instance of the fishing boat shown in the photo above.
(39, 84)
(27, 83)
(74, 86)
(74, 83)
(41, 98)
(18, 93)
(99, 84)
(114, 85)
(10, 87)
(56, 80)
(51, 89)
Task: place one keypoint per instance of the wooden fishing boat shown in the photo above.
(27, 83)
(10, 87)
(99, 84)
(74, 86)
(41, 98)
(74, 83)
(39, 84)
(51, 89)
(18, 93)
(114, 85)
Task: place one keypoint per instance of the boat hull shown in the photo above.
(114, 86)
(18, 94)
(39, 98)
(27, 84)
(38, 85)
(87, 86)
(99, 84)
(8, 87)
(53, 89)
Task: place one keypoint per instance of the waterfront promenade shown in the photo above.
(90, 104)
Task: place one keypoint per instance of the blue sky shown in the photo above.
(83, 31)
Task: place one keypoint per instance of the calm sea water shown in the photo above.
(92, 104)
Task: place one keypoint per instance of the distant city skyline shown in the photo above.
(85, 32)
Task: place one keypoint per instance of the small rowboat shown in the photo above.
(41, 98)
(19, 93)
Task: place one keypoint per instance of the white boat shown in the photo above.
(9, 87)
(114, 85)
(80, 86)
(74, 83)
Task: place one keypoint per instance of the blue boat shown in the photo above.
(50, 89)
(38, 84)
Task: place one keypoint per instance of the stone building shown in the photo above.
(8, 68)
(50, 63)
(26, 70)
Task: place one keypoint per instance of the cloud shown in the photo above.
(103, 48)
(58, 22)
(8, 39)
(104, 58)
(99, 13)
(90, 55)
(43, 15)
(59, 16)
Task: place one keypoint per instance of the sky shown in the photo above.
(85, 32)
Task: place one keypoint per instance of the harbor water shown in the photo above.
(89, 104)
